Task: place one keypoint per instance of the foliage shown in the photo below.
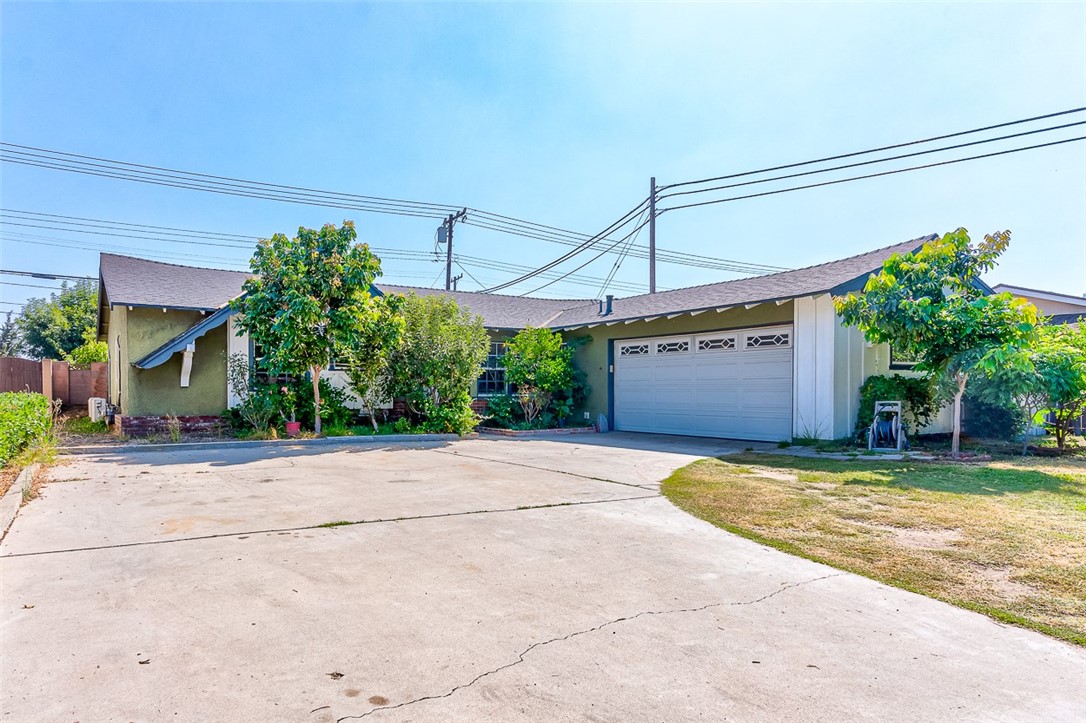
(438, 356)
(11, 337)
(926, 303)
(1049, 374)
(990, 412)
(368, 360)
(89, 352)
(334, 409)
(82, 425)
(25, 418)
(256, 405)
(53, 328)
(916, 393)
(503, 410)
(309, 298)
(287, 403)
(453, 416)
(173, 426)
(540, 364)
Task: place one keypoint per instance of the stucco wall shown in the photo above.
(158, 390)
(592, 358)
(117, 342)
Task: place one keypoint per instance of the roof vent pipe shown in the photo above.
(601, 306)
(610, 302)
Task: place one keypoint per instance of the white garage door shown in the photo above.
(735, 384)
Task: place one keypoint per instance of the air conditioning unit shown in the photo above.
(96, 408)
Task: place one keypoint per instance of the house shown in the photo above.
(1059, 308)
(762, 358)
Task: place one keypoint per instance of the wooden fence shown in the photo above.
(54, 379)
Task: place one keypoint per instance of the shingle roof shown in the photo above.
(129, 281)
(830, 276)
(500, 311)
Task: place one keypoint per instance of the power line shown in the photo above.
(868, 163)
(621, 257)
(31, 286)
(875, 150)
(44, 275)
(875, 175)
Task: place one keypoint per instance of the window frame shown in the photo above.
(493, 364)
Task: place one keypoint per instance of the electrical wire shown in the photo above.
(618, 260)
(875, 175)
(875, 150)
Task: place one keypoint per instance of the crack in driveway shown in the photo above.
(648, 485)
(577, 633)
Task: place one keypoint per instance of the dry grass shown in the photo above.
(1006, 538)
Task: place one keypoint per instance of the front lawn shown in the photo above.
(1006, 538)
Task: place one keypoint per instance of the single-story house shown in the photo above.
(1059, 308)
(761, 358)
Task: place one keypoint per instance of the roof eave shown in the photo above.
(163, 353)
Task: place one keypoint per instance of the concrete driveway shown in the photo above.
(493, 580)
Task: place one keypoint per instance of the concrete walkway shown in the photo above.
(493, 580)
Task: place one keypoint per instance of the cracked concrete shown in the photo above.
(616, 608)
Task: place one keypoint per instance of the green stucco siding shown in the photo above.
(158, 391)
(592, 358)
(117, 340)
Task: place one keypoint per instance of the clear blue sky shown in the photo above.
(555, 113)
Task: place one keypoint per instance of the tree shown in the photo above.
(368, 361)
(436, 360)
(309, 298)
(1048, 375)
(11, 338)
(540, 364)
(53, 328)
(90, 351)
(928, 304)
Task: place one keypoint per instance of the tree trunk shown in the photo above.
(955, 442)
(315, 372)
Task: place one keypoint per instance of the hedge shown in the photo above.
(25, 418)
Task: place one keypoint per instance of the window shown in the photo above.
(672, 347)
(633, 350)
(761, 341)
(723, 343)
(492, 380)
(902, 360)
(260, 371)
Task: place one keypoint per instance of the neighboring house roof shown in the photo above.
(1069, 319)
(129, 281)
(836, 277)
(1041, 294)
(498, 310)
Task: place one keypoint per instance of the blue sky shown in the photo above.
(557, 113)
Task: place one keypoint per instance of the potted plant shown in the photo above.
(289, 404)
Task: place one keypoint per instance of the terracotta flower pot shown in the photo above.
(294, 429)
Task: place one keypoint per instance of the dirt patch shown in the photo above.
(378, 700)
(7, 478)
(915, 537)
(999, 579)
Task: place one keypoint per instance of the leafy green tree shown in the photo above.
(1047, 375)
(436, 360)
(309, 298)
(90, 351)
(53, 328)
(540, 364)
(928, 304)
(368, 361)
(11, 338)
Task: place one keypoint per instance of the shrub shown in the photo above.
(916, 393)
(991, 417)
(503, 411)
(25, 418)
(334, 409)
(541, 365)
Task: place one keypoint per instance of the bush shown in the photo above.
(454, 416)
(916, 393)
(503, 411)
(990, 417)
(334, 409)
(25, 418)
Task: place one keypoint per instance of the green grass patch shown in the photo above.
(338, 523)
(84, 426)
(1005, 538)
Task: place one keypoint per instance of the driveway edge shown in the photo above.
(13, 498)
(252, 443)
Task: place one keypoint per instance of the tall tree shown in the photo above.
(929, 304)
(310, 298)
(368, 361)
(53, 328)
(11, 338)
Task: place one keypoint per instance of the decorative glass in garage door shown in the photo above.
(633, 350)
(720, 343)
(759, 341)
(673, 347)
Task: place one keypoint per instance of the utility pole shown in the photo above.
(455, 279)
(652, 235)
(453, 218)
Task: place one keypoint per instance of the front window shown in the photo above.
(492, 380)
(902, 360)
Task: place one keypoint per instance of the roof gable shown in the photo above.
(129, 281)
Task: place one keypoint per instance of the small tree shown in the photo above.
(310, 297)
(255, 403)
(540, 364)
(436, 360)
(929, 305)
(368, 361)
(53, 328)
(1048, 375)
